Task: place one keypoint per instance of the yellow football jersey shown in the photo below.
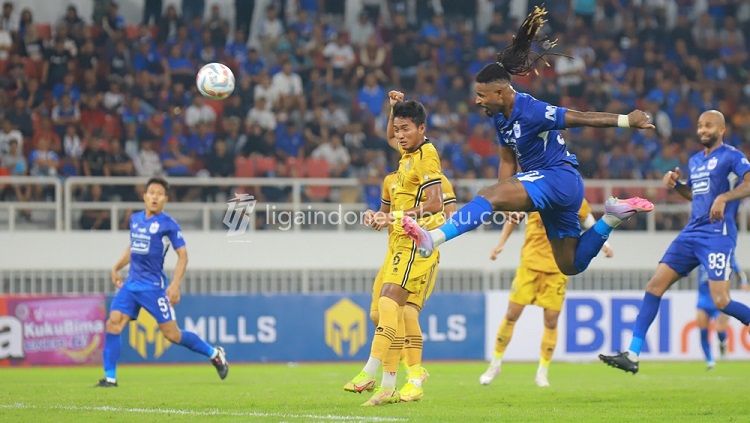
(536, 252)
(417, 171)
(389, 186)
(449, 195)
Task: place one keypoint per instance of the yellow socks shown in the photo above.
(549, 341)
(504, 334)
(413, 340)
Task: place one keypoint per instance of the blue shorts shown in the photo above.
(710, 310)
(155, 301)
(713, 252)
(557, 194)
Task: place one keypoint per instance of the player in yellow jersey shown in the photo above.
(538, 282)
(412, 352)
(417, 194)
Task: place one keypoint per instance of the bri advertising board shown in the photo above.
(594, 322)
(303, 328)
(51, 330)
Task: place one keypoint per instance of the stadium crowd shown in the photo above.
(102, 96)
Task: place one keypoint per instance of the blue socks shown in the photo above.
(110, 355)
(722, 334)
(194, 343)
(467, 218)
(706, 346)
(739, 311)
(590, 243)
(646, 315)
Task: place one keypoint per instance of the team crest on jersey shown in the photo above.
(154, 227)
(712, 163)
(517, 130)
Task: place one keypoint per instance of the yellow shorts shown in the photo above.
(532, 287)
(420, 279)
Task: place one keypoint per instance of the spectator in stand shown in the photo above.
(43, 161)
(261, 115)
(335, 154)
(148, 163)
(94, 157)
(289, 141)
(371, 96)
(220, 162)
(201, 141)
(175, 161)
(65, 113)
(9, 134)
(199, 113)
(340, 56)
(287, 88)
(270, 31)
(72, 151)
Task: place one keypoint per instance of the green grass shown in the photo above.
(676, 392)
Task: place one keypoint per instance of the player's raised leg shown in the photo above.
(502, 339)
(724, 302)
(664, 277)
(537, 190)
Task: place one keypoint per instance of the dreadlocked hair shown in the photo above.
(517, 58)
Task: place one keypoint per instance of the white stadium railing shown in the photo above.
(65, 207)
(307, 281)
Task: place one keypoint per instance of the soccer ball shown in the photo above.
(215, 80)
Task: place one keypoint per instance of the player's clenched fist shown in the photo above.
(116, 278)
(671, 178)
(395, 96)
(640, 119)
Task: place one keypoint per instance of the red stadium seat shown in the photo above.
(32, 68)
(44, 31)
(317, 168)
(245, 167)
(594, 195)
(264, 165)
(132, 32)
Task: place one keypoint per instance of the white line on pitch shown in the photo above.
(213, 412)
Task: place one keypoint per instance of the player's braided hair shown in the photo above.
(517, 58)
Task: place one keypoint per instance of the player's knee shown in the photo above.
(721, 301)
(512, 315)
(411, 314)
(568, 269)
(550, 322)
(173, 335)
(114, 327)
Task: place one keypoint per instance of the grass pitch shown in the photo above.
(312, 392)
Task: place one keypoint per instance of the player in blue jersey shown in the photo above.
(530, 138)
(151, 233)
(710, 237)
(707, 311)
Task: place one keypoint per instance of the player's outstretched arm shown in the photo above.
(122, 262)
(636, 119)
(393, 98)
(173, 290)
(741, 191)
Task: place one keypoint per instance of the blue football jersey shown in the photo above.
(711, 176)
(532, 131)
(149, 242)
